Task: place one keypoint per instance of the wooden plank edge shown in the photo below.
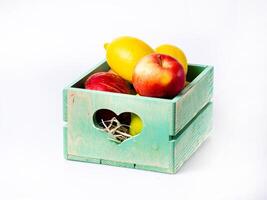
(120, 164)
(207, 75)
(193, 149)
(95, 66)
(65, 142)
(65, 104)
(197, 140)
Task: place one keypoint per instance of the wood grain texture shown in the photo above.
(194, 97)
(65, 141)
(192, 136)
(148, 148)
(155, 148)
(65, 104)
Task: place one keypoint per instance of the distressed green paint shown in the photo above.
(156, 147)
(65, 102)
(65, 145)
(194, 97)
(192, 136)
(148, 148)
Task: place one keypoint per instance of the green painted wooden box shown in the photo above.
(173, 128)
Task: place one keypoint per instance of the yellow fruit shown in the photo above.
(123, 53)
(175, 52)
(136, 124)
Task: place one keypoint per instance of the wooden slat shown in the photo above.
(193, 136)
(65, 142)
(193, 98)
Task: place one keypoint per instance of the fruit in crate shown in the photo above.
(175, 52)
(158, 75)
(105, 81)
(123, 54)
(107, 115)
(136, 125)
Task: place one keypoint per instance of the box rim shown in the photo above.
(193, 83)
(173, 100)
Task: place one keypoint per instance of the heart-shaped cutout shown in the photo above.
(118, 127)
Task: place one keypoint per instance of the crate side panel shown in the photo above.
(65, 104)
(151, 147)
(65, 142)
(194, 99)
(193, 135)
(193, 71)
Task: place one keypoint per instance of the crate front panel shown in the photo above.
(150, 148)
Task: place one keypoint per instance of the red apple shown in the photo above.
(158, 75)
(105, 81)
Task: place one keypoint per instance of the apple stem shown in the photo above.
(159, 59)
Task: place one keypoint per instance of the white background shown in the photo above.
(44, 45)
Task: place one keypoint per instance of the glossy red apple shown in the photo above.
(158, 75)
(105, 81)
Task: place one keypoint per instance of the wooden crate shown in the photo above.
(173, 128)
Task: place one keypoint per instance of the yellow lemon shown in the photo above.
(136, 124)
(123, 53)
(175, 52)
